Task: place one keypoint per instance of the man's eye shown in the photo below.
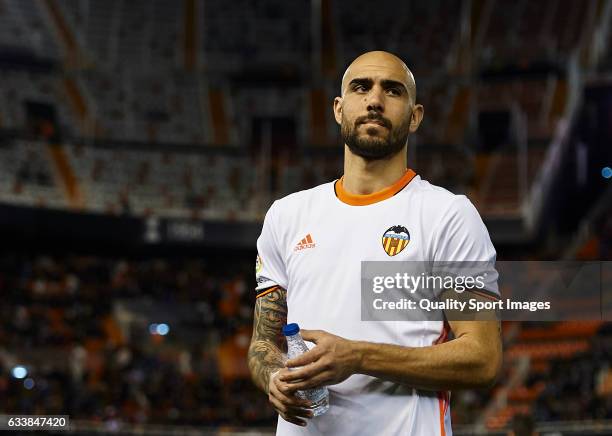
(394, 91)
(359, 88)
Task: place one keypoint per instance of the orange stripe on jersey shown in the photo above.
(447, 402)
(266, 291)
(364, 200)
(443, 333)
(442, 395)
(442, 408)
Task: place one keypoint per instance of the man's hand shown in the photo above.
(331, 361)
(285, 402)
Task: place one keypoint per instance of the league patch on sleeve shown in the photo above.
(263, 282)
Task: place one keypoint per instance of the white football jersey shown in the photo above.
(312, 244)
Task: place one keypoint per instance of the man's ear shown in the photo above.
(416, 118)
(338, 110)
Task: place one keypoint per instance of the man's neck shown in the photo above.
(363, 177)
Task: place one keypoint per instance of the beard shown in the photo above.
(373, 146)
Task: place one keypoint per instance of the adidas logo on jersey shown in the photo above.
(305, 243)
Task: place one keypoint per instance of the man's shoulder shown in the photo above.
(304, 199)
(440, 205)
(435, 196)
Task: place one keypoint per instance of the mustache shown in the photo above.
(374, 116)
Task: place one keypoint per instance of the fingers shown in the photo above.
(291, 414)
(303, 373)
(321, 379)
(289, 407)
(284, 392)
(304, 359)
(311, 335)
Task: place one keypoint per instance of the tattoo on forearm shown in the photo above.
(267, 345)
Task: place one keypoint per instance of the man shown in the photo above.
(388, 378)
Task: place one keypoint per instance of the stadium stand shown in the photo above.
(213, 186)
(24, 28)
(168, 109)
(566, 365)
(175, 106)
(109, 367)
(27, 176)
(422, 32)
(23, 89)
(273, 33)
(555, 26)
(116, 35)
(208, 184)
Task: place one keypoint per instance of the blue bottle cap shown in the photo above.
(291, 329)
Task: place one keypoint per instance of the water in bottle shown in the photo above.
(319, 397)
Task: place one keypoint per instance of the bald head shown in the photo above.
(374, 62)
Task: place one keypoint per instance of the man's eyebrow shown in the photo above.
(393, 84)
(385, 83)
(361, 81)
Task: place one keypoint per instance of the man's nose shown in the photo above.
(375, 100)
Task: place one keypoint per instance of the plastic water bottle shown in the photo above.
(319, 397)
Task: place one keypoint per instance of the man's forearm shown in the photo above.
(264, 359)
(265, 353)
(457, 364)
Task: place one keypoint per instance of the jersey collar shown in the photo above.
(375, 197)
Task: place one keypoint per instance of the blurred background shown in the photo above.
(142, 141)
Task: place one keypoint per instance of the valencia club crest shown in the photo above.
(395, 239)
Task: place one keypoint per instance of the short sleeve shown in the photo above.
(462, 243)
(270, 270)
